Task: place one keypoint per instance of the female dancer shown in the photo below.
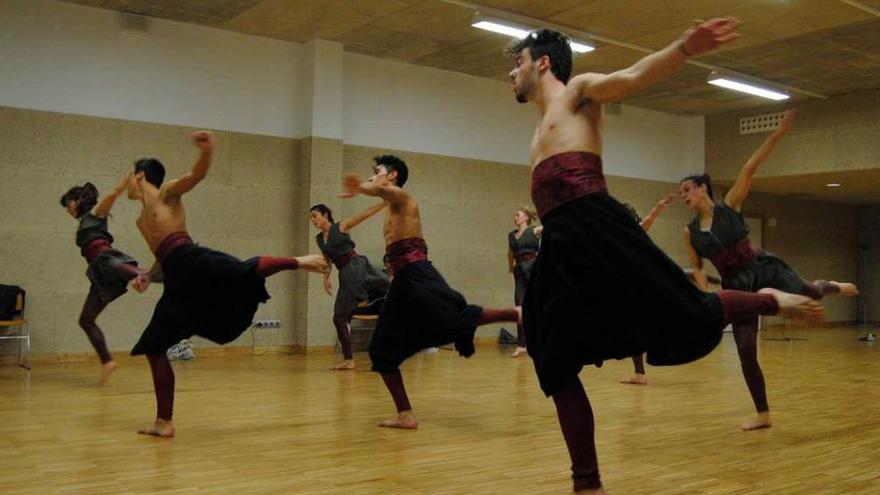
(719, 232)
(358, 280)
(523, 244)
(109, 270)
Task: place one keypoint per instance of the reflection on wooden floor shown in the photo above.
(287, 425)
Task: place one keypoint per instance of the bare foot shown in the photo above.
(519, 351)
(846, 288)
(761, 421)
(405, 420)
(636, 379)
(107, 369)
(161, 428)
(313, 263)
(592, 491)
(799, 308)
(348, 364)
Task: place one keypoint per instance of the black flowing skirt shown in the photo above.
(207, 293)
(421, 311)
(108, 281)
(766, 271)
(601, 289)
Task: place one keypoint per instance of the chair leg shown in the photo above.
(27, 343)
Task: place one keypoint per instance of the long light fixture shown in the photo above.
(739, 84)
(503, 27)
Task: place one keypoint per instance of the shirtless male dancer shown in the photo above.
(420, 310)
(206, 293)
(595, 260)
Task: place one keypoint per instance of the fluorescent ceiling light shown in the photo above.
(746, 87)
(515, 32)
(833, 184)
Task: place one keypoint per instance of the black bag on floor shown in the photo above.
(506, 338)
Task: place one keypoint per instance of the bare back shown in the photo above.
(569, 124)
(161, 216)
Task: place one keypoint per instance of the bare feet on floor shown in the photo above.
(846, 288)
(762, 420)
(519, 351)
(798, 308)
(348, 364)
(636, 379)
(405, 420)
(107, 369)
(161, 428)
(313, 263)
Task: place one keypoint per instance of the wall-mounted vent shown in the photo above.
(760, 123)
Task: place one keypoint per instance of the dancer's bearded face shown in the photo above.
(523, 76)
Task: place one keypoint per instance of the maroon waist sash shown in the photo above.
(343, 260)
(91, 250)
(565, 177)
(400, 253)
(734, 259)
(172, 242)
(524, 257)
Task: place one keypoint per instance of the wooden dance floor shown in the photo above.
(278, 424)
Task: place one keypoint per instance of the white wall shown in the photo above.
(72, 59)
(401, 106)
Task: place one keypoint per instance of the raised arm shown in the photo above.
(102, 209)
(696, 262)
(354, 185)
(740, 190)
(697, 40)
(352, 222)
(204, 140)
(656, 211)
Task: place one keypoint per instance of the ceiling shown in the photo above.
(827, 47)
(858, 187)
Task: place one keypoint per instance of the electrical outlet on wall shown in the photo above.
(267, 324)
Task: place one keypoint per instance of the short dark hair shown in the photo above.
(394, 164)
(554, 44)
(85, 197)
(700, 180)
(153, 170)
(323, 210)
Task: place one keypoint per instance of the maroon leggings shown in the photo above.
(394, 381)
(270, 265)
(163, 383)
(163, 374)
(745, 334)
(576, 416)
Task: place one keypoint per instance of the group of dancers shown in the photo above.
(590, 261)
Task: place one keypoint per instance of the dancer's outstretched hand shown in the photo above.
(351, 183)
(708, 35)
